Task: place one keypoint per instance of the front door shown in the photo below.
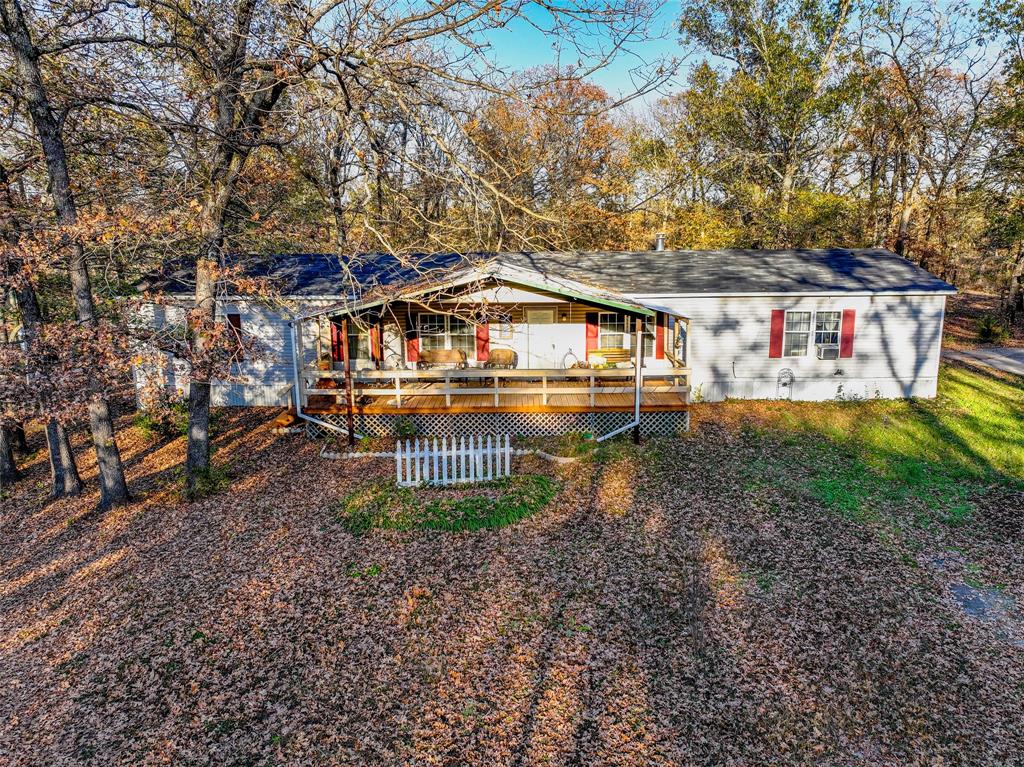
(540, 341)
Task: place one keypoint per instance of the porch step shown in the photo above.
(287, 422)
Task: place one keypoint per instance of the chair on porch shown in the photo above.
(442, 358)
(502, 359)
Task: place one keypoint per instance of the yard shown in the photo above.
(790, 584)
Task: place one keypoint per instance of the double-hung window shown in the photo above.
(826, 334)
(797, 333)
(442, 331)
(612, 331)
(615, 331)
(826, 328)
(358, 342)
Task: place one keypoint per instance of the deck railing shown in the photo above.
(404, 385)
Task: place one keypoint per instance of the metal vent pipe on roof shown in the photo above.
(659, 241)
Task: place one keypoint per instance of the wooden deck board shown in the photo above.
(653, 401)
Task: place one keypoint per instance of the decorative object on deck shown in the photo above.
(451, 461)
(323, 400)
(609, 356)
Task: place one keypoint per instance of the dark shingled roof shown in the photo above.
(650, 272)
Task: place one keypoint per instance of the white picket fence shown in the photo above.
(451, 461)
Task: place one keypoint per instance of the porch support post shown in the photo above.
(638, 379)
(349, 420)
(296, 331)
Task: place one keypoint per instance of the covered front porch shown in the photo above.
(490, 345)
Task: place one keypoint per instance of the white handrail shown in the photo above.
(432, 375)
(446, 383)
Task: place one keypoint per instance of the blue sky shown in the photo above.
(521, 46)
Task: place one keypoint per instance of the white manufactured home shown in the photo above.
(555, 341)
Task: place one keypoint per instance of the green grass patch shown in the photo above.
(573, 444)
(208, 481)
(168, 419)
(365, 572)
(385, 506)
(929, 459)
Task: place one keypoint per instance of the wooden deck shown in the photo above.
(422, 402)
(488, 390)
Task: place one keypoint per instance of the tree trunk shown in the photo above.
(197, 457)
(903, 232)
(1015, 292)
(113, 488)
(18, 436)
(8, 469)
(906, 213)
(241, 113)
(786, 188)
(64, 479)
(873, 217)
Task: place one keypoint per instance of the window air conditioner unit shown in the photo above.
(828, 352)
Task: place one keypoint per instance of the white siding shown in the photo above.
(265, 380)
(897, 340)
(896, 348)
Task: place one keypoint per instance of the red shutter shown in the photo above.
(483, 342)
(659, 338)
(337, 343)
(846, 338)
(412, 342)
(593, 332)
(375, 347)
(778, 328)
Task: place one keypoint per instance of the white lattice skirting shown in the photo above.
(517, 424)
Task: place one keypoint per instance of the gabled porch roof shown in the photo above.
(489, 271)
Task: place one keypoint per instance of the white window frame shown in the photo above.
(787, 332)
(649, 336)
(361, 336)
(446, 334)
(837, 318)
(601, 332)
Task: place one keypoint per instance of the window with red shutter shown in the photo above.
(483, 342)
(846, 335)
(593, 332)
(778, 327)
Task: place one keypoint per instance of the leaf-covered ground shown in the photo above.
(773, 589)
(965, 309)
